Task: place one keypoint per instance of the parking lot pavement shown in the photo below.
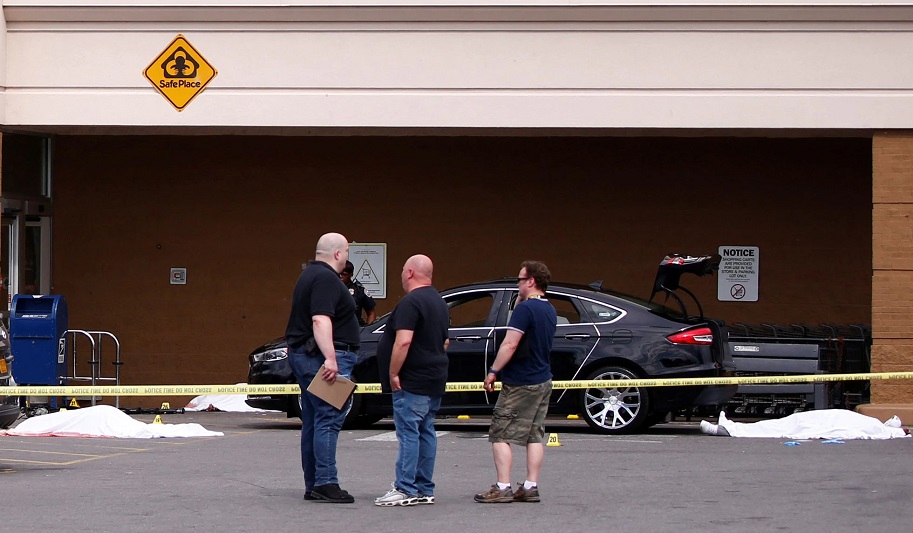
(672, 478)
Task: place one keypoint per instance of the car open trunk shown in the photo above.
(669, 274)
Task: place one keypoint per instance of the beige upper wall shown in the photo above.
(2, 65)
(694, 65)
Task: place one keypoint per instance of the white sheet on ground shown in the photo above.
(821, 424)
(102, 421)
(230, 403)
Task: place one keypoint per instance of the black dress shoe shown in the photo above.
(331, 493)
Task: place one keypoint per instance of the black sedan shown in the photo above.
(601, 335)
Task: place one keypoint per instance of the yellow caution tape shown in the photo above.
(374, 388)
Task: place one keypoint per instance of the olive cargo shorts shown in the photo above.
(519, 415)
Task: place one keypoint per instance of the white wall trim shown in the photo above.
(18, 11)
(367, 64)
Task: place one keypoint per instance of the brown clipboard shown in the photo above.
(336, 393)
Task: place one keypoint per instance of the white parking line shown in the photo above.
(390, 436)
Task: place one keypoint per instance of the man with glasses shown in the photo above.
(357, 290)
(524, 367)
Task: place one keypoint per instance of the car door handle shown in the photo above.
(469, 338)
(577, 336)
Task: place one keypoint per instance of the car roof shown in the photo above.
(512, 282)
(591, 290)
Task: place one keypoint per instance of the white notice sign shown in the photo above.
(738, 281)
(370, 260)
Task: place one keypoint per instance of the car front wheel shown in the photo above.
(355, 418)
(614, 410)
(294, 406)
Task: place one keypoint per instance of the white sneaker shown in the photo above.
(424, 500)
(395, 497)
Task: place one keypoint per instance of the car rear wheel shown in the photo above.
(614, 410)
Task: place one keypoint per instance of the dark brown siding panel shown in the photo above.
(242, 214)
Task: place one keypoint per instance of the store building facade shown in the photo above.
(597, 137)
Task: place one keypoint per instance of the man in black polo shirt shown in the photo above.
(322, 330)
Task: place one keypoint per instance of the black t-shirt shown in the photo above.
(425, 370)
(319, 291)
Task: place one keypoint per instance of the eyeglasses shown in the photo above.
(522, 279)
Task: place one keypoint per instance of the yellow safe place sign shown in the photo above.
(180, 73)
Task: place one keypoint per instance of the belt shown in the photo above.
(346, 347)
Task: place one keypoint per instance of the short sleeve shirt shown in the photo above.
(424, 371)
(362, 300)
(319, 291)
(537, 320)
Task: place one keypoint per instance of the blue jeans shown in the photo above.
(320, 421)
(413, 415)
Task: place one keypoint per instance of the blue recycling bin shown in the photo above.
(38, 327)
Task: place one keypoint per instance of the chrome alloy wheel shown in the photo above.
(616, 409)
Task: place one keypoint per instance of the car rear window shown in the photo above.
(653, 307)
(599, 312)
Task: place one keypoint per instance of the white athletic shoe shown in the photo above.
(395, 497)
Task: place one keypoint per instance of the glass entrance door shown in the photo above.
(25, 259)
(25, 239)
(34, 256)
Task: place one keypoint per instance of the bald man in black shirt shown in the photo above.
(322, 330)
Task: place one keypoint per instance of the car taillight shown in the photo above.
(692, 336)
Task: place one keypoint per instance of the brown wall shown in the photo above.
(243, 213)
(892, 280)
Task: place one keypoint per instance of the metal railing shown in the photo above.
(96, 375)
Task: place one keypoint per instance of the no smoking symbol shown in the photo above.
(737, 291)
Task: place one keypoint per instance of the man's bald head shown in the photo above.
(422, 265)
(333, 249)
(417, 272)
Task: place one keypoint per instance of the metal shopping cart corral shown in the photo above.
(774, 350)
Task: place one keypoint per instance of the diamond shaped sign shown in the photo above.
(180, 73)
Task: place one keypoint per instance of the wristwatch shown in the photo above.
(491, 370)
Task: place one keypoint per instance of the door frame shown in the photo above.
(18, 217)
